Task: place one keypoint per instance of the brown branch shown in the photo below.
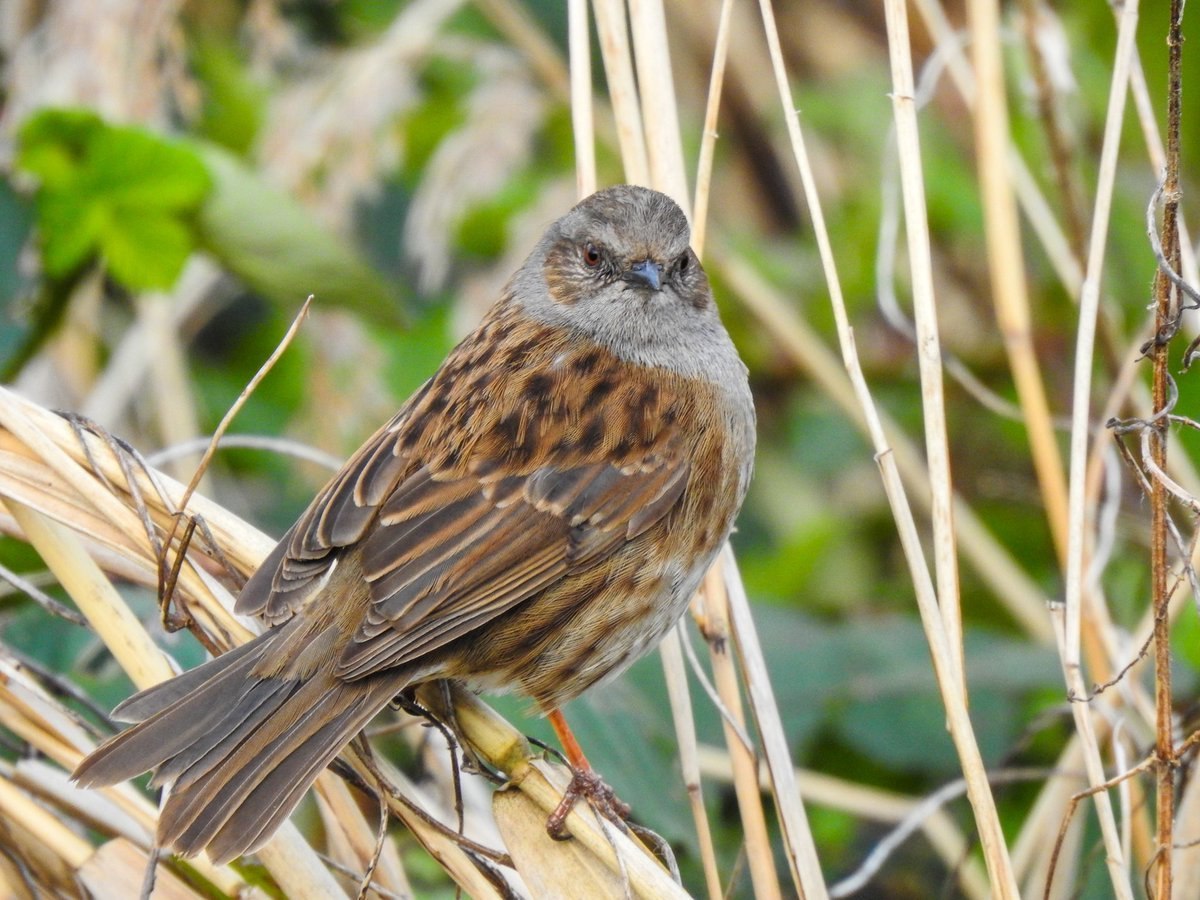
(1164, 751)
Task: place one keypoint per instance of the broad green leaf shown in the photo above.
(872, 677)
(145, 250)
(120, 191)
(135, 169)
(69, 232)
(53, 144)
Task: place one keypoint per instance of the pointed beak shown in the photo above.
(645, 273)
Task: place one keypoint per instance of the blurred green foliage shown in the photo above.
(117, 192)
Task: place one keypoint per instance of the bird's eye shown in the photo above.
(591, 255)
(684, 262)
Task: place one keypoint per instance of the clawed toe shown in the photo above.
(587, 785)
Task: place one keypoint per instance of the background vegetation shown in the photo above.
(178, 177)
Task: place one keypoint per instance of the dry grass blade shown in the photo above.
(237, 404)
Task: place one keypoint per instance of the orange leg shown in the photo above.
(570, 746)
(584, 783)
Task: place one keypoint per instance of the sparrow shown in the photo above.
(534, 519)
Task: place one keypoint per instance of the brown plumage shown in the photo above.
(534, 518)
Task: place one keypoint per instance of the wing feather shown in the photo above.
(449, 567)
(470, 501)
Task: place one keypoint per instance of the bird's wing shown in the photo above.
(523, 459)
(337, 518)
(447, 556)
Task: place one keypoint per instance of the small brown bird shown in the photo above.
(535, 518)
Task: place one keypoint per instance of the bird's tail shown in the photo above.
(237, 750)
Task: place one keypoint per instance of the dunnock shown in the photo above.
(535, 518)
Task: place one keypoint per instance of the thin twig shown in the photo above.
(237, 405)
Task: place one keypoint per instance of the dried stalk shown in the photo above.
(1080, 434)
(979, 792)
(717, 631)
(929, 354)
(675, 673)
(1006, 263)
(1166, 312)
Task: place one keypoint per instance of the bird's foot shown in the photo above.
(586, 785)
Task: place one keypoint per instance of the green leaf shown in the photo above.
(871, 680)
(120, 191)
(276, 246)
(138, 170)
(145, 250)
(52, 144)
(69, 232)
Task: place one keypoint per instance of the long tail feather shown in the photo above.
(237, 808)
(176, 722)
(237, 749)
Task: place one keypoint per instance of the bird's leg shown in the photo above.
(585, 783)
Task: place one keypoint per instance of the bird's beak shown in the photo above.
(646, 273)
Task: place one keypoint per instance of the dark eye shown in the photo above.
(591, 255)
(684, 262)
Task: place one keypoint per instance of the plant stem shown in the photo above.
(1164, 324)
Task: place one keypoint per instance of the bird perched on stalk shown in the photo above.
(535, 518)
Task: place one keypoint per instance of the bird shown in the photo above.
(534, 519)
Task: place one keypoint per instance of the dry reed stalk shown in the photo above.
(756, 839)
(950, 686)
(1006, 262)
(612, 31)
(581, 98)
(708, 139)
(799, 846)
(660, 112)
(929, 355)
(1080, 434)
(675, 673)
(1167, 299)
